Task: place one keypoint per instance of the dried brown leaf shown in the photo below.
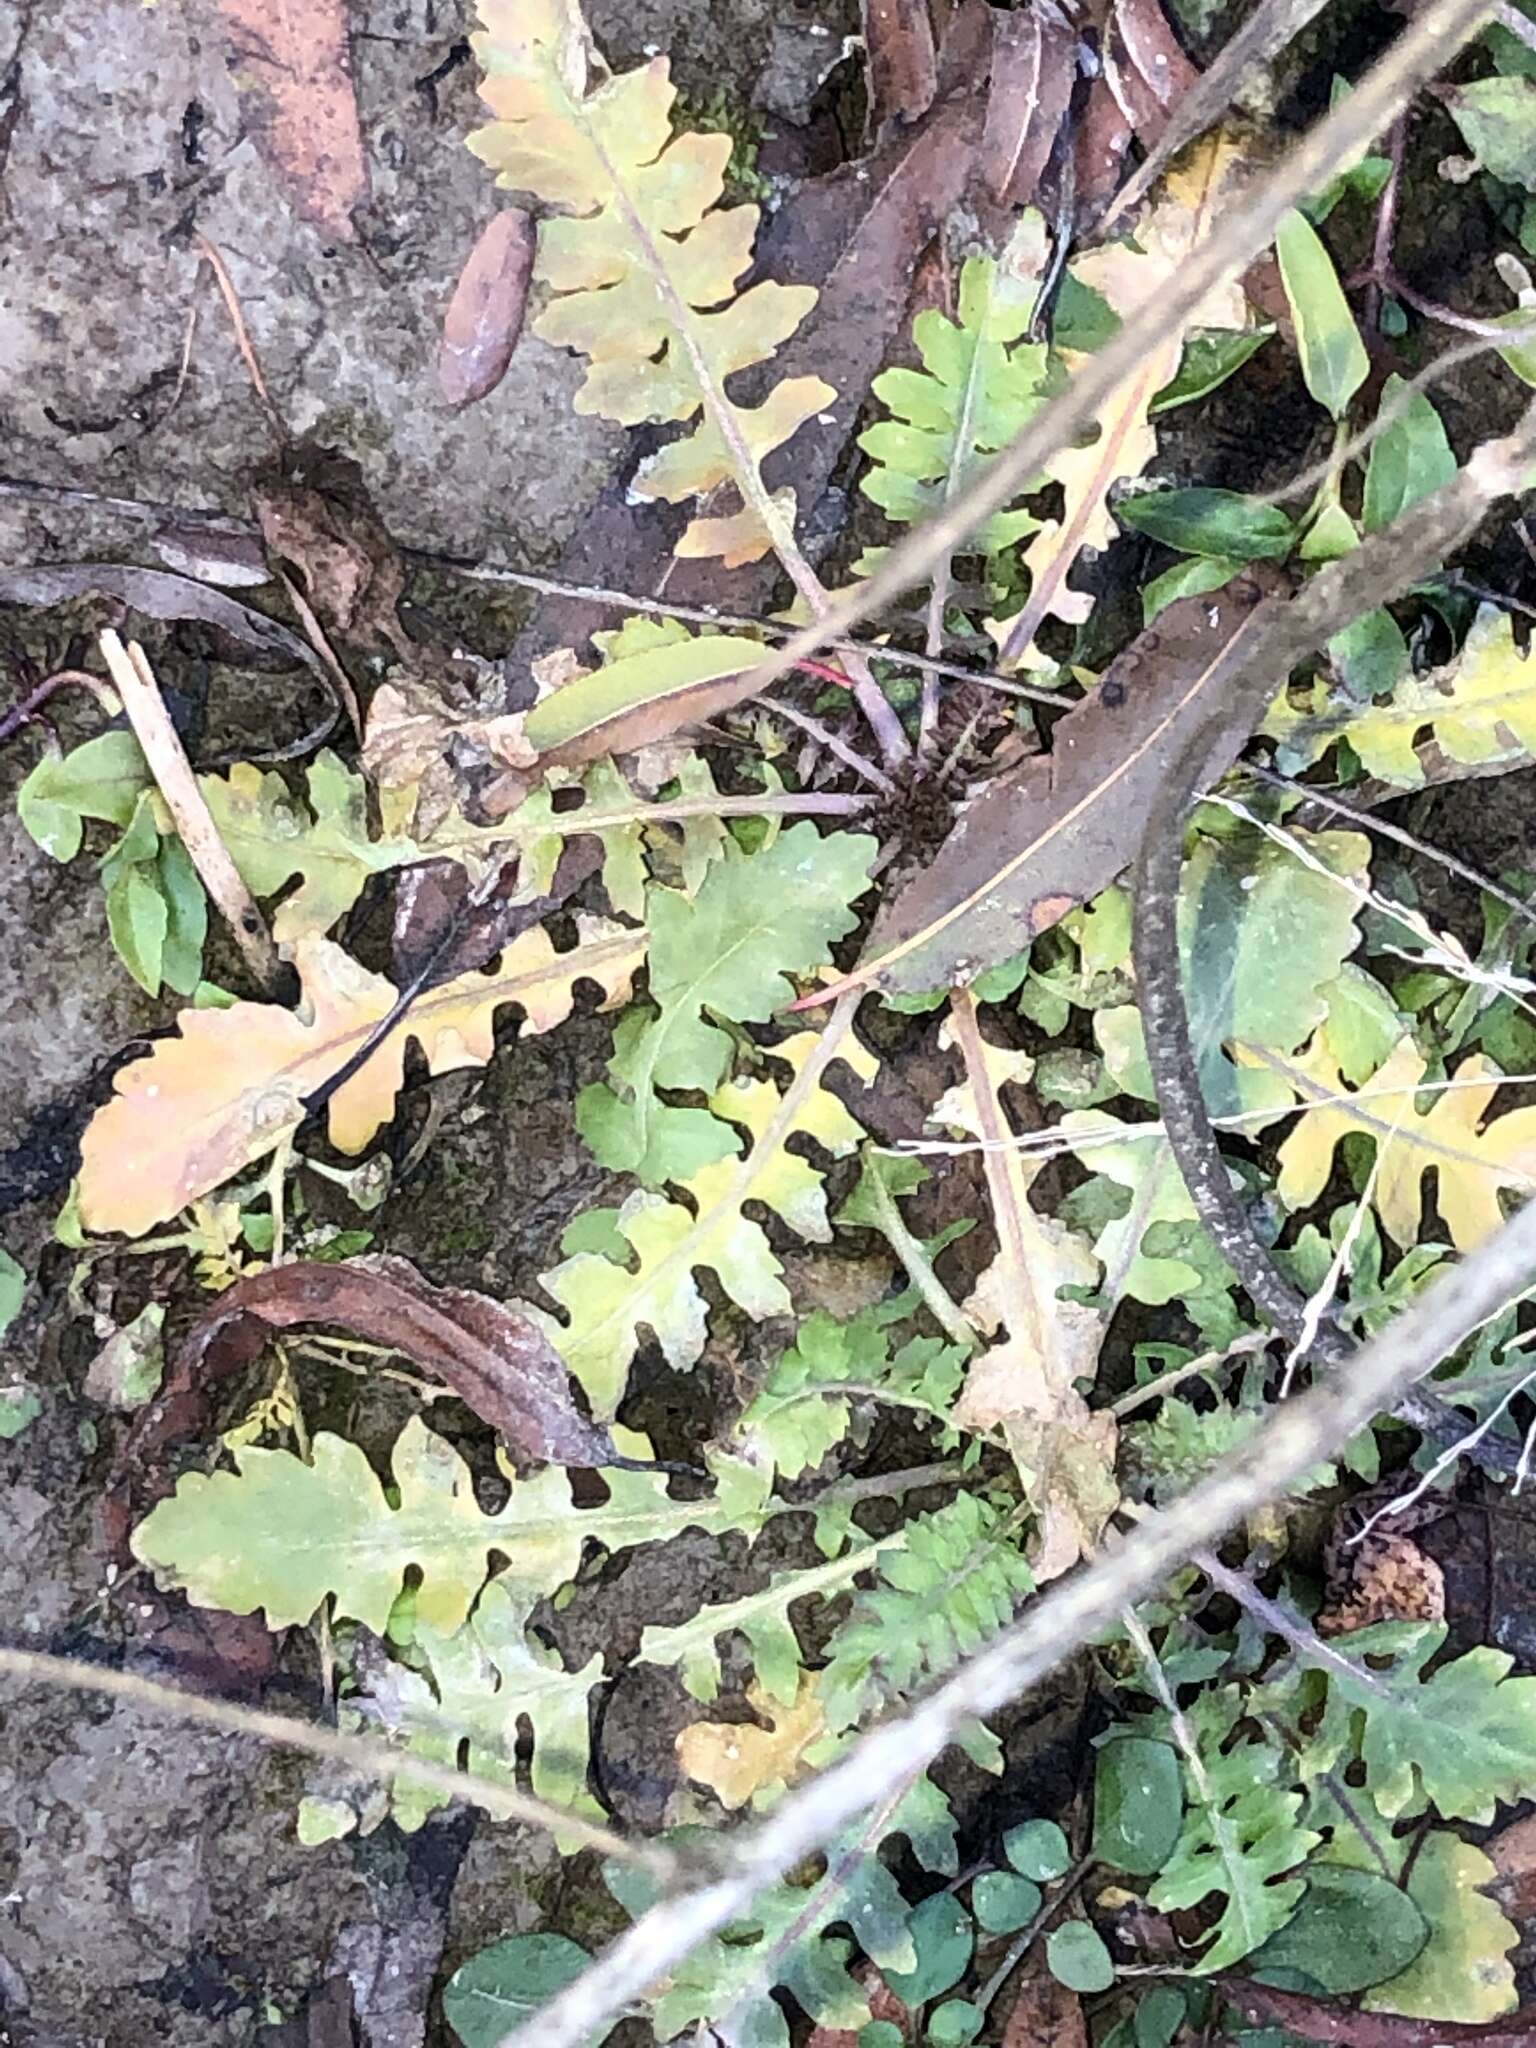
(1052, 832)
(737, 1759)
(485, 314)
(1027, 1383)
(1034, 65)
(315, 512)
(496, 1360)
(293, 61)
(903, 67)
(1044, 2014)
(1146, 67)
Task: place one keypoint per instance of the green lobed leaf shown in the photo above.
(948, 1590)
(763, 1618)
(1334, 362)
(1240, 1836)
(274, 840)
(980, 382)
(281, 1534)
(726, 952)
(1464, 1733)
(487, 1678)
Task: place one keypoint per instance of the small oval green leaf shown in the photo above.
(1078, 1958)
(500, 1987)
(1200, 521)
(1352, 1929)
(1138, 1805)
(1037, 1849)
(1003, 1902)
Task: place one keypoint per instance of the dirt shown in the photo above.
(152, 1889)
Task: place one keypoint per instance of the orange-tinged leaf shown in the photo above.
(292, 60)
(232, 1084)
(1474, 1162)
(737, 1760)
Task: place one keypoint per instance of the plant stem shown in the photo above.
(1025, 1939)
(919, 1267)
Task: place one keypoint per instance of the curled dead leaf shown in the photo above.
(485, 314)
(1145, 64)
(496, 1360)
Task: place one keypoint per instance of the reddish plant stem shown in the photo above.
(12, 721)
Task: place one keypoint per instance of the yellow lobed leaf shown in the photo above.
(232, 1084)
(1480, 711)
(1128, 275)
(1473, 1162)
(607, 1304)
(1463, 1973)
(738, 1761)
(643, 268)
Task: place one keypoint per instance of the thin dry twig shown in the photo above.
(29, 708)
(363, 1753)
(342, 682)
(213, 257)
(168, 763)
(1295, 1438)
